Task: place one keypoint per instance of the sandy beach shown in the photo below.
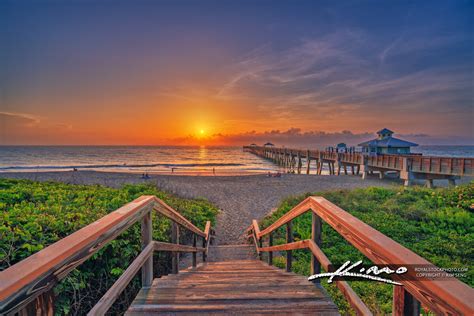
(240, 198)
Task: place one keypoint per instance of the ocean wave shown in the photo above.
(165, 165)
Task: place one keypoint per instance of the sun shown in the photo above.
(201, 132)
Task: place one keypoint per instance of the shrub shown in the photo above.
(34, 215)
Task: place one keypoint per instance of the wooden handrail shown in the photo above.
(162, 208)
(298, 210)
(450, 296)
(23, 282)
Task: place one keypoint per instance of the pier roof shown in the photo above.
(387, 142)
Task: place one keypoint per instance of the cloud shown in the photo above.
(296, 137)
(9, 119)
(23, 128)
(289, 137)
(351, 74)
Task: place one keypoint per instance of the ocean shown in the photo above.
(158, 159)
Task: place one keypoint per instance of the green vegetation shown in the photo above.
(436, 224)
(34, 215)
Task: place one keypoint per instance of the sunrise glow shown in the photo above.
(176, 80)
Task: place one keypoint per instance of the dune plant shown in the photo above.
(34, 215)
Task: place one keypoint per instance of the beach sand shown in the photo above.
(240, 198)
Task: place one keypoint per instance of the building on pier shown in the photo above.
(268, 145)
(385, 143)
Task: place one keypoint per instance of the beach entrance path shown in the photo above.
(233, 282)
(244, 198)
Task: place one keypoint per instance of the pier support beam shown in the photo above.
(363, 168)
(308, 162)
(300, 163)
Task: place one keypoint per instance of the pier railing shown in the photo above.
(26, 287)
(408, 167)
(444, 297)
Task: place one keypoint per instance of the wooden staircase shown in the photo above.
(233, 282)
(230, 281)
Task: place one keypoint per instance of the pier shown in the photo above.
(407, 167)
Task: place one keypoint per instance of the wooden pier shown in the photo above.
(230, 279)
(407, 167)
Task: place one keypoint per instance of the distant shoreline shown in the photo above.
(205, 173)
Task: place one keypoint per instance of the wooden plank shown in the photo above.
(444, 297)
(175, 254)
(194, 253)
(256, 229)
(289, 239)
(207, 230)
(117, 288)
(232, 281)
(42, 305)
(404, 304)
(316, 229)
(164, 246)
(302, 244)
(289, 284)
(257, 248)
(241, 307)
(270, 253)
(147, 240)
(225, 297)
(207, 239)
(24, 281)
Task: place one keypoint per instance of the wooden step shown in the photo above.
(237, 287)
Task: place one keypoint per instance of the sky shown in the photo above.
(233, 72)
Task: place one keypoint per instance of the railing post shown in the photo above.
(316, 228)
(175, 254)
(289, 253)
(270, 253)
(42, 305)
(260, 245)
(147, 237)
(194, 253)
(204, 257)
(404, 304)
